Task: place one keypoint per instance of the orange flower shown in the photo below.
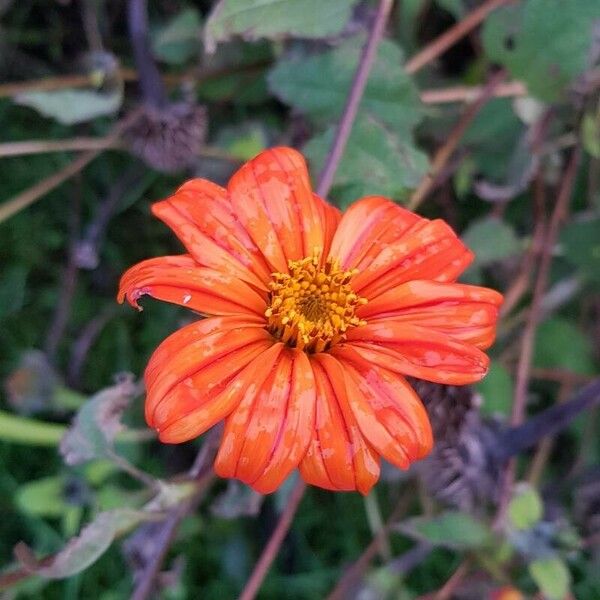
(313, 320)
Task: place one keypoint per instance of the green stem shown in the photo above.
(31, 432)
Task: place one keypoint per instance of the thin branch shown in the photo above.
(352, 102)
(151, 84)
(453, 35)
(42, 146)
(525, 357)
(469, 93)
(443, 155)
(202, 472)
(51, 84)
(40, 189)
(272, 548)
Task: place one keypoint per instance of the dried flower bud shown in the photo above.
(464, 471)
(168, 138)
(447, 406)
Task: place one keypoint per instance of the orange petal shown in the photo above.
(390, 245)
(338, 457)
(251, 430)
(272, 198)
(180, 280)
(195, 347)
(388, 411)
(366, 227)
(201, 215)
(198, 403)
(296, 428)
(466, 312)
(408, 349)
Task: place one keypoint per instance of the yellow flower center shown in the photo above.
(313, 307)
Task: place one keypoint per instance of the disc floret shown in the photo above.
(313, 306)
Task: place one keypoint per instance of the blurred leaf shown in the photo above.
(44, 497)
(518, 38)
(178, 40)
(73, 106)
(496, 389)
(492, 137)
(12, 289)
(277, 19)
(97, 423)
(455, 7)
(451, 529)
(581, 243)
(244, 141)
(561, 345)
(236, 501)
(83, 550)
(318, 85)
(551, 576)
(491, 240)
(590, 134)
(525, 508)
(376, 161)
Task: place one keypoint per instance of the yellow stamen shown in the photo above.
(313, 307)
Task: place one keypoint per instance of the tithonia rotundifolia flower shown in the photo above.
(312, 319)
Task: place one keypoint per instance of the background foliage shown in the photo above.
(241, 75)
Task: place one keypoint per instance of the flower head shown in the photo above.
(313, 320)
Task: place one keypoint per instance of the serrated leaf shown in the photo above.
(73, 106)
(318, 85)
(451, 529)
(97, 423)
(559, 344)
(376, 161)
(85, 549)
(525, 508)
(491, 239)
(179, 39)
(497, 390)
(552, 577)
(518, 37)
(580, 241)
(275, 19)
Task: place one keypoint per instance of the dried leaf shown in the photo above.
(83, 550)
(97, 423)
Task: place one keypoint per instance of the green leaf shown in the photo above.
(376, 161)
(559, 344)
(491, 239)
(581, 243)
(451, 529)
(497, 390)
(519, 37)
(525, 508)
(43, 497)
(318, 85)
(178, 40)
(85, 549)
(73, 106)
(492, 136)
(590, 134)
(551, 576)
(96, 424)
(276, 19)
